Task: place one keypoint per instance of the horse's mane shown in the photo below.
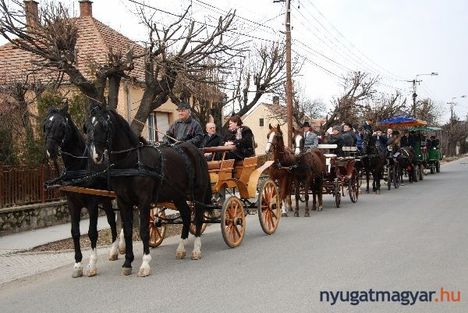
(122, 125)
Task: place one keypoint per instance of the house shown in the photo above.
(95, 39)
(261, 116)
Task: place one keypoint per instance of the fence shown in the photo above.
(22, 185)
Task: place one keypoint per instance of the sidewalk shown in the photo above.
(16, 262)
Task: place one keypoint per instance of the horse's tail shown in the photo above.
(201, 178)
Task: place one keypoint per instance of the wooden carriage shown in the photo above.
(236, 192)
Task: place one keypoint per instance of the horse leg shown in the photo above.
(296, 211)
(196, 252)
(283, 195)
(367, 179)
(145, 268)
(185, 215)
(91, 269)
(320, 192)
(126, 212)
(114, 250)
(75, 211)
(306, 196)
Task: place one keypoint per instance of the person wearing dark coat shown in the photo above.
(336, 138)
(241, 137)
(349, 137)
(211, 139)
(185, 129)
(368, 126)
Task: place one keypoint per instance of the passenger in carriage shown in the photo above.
(432, 142)
(360, 139)
(335, 137)
(185, 129)
(380, 140)
(241, 137)
(211, 139)
(349, 138)
(404, 141)
(310, 137)
(369, 126)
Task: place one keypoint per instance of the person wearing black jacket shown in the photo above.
(211, 139)
(241, 137)
(185, 129)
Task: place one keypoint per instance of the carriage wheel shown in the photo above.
(269, 207)
(156, 229)
(233, 222)
(337, 192)
(437, 166)
(353, 188)
(192, 227)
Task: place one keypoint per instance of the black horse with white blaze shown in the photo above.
(63, 138)
(142, 174)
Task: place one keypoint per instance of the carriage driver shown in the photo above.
(310, 138)
(241, 137)
(185, 129)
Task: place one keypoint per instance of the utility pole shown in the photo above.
(288, 72)
(289, 88)
(414, 81)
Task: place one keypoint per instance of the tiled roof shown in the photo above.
(95, 39)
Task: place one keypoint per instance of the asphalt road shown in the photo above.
(412, 239)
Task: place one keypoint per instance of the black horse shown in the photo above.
(373, 161)
(62, 137)
(142, 174)
(407, 161)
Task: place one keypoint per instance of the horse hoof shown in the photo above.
(126, 271)
(307, 214)
(143, 272)
(91, 272)
(78, 272)
(180, 255)
(122, 251)
(296, 214)
(196, 255)
(284, 214)
(113, 257)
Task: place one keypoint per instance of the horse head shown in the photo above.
(108, 132)
(275, 138)
(99, 130)
(298, 140)
(56, 130)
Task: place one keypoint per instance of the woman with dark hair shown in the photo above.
(241, 137)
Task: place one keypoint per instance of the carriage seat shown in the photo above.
(243, 168)
(220, 171)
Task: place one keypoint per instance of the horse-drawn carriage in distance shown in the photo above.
(429, 153)
(341, 173)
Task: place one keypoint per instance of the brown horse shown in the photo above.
(280, 170)
(309, 171)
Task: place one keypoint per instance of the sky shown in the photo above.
(398, 40)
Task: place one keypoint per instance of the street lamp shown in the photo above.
(452, 104)
(414, 81)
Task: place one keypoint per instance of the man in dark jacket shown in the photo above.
(241, 137)
(185, 129)
(336, 138)
(211, 139)
(349, 137)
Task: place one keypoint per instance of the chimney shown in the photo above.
(31, 9)
(275, 100)
(86, 8)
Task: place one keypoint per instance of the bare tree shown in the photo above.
(185, 53)
(359, 88)
(52, 40)
(266, 74)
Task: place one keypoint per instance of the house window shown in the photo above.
(158, 125)
(261, 122)
(152, 135)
